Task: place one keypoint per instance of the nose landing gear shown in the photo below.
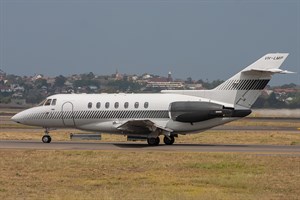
(46, 138)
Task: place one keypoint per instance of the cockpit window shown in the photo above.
(53, 102)
(42, 103)
(48, 102)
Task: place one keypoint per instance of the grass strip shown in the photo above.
(37, 174)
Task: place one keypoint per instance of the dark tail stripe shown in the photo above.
(258, 84)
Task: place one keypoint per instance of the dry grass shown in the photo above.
(268, 123)
(243, 137)
(34, 174)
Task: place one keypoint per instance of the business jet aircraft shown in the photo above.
(148, 116)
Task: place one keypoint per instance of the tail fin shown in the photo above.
(244, 88)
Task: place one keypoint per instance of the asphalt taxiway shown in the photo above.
(131, 146)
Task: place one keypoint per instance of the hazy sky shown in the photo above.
(199, 39)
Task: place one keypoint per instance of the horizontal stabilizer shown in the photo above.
(273, 71)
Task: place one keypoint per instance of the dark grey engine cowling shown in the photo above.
(195, 111)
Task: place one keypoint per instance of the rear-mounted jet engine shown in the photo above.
(194, 111)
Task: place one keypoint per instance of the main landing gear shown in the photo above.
(169, 140)
(154, 141)
(46, 138)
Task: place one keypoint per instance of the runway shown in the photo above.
(131, 146)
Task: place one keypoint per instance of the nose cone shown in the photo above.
(16, 118)
(19, 117)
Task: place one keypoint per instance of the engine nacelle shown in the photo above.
(195, 111)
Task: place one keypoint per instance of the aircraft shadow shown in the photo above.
(180, 145)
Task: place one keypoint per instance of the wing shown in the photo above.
(141, 127)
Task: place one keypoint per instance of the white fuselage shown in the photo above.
(106, 112)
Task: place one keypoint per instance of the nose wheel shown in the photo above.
(46, 138)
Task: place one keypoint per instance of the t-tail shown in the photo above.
(242, 90)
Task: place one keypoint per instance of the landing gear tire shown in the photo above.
(169, 140)
(153, 141)
(46, 139)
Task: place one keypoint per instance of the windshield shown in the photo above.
(48, 102)
(42, 103)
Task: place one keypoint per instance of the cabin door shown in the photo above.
(68, 114)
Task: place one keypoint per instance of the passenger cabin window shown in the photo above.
(90, 104)
(126, 104)
(53, 102)
(48, 102)
(136, 104)
(98, 105)
(107, 105)
(146, 105)
(117, 105)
